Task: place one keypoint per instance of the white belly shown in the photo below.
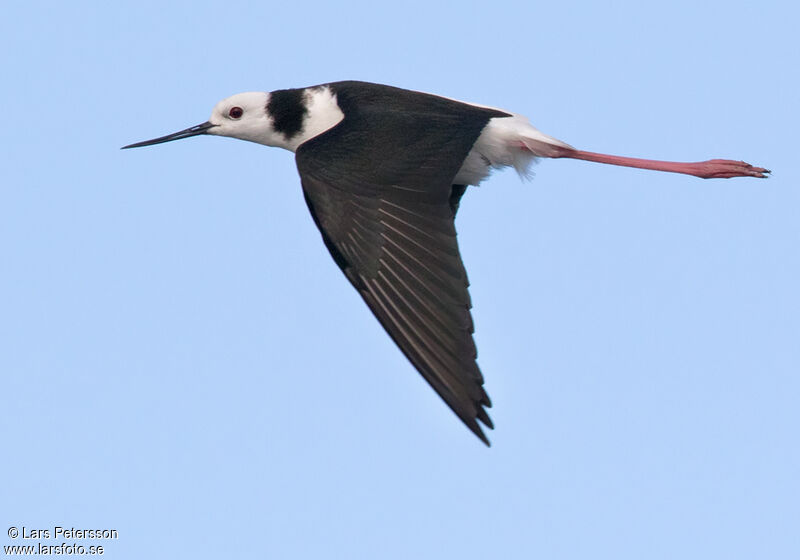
(505, 142)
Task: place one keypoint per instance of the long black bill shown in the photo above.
(192, 131)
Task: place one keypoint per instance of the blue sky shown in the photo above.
(182, 361)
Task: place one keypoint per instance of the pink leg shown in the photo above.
(711, 169)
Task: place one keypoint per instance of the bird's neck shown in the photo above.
(301, 114)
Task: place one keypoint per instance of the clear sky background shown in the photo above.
(182, 361)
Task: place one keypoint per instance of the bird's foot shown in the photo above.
(727, 168)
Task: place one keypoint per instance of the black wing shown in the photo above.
(379, 186)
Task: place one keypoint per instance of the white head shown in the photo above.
(242, 116)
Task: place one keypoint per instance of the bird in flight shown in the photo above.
(383, 171)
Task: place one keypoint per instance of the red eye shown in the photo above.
(236, 112)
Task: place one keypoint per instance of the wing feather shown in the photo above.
(389, 225)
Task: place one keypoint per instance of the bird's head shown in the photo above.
(243, 116)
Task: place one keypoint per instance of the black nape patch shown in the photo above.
(288, 110)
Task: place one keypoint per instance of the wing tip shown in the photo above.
(475, 428)
(479, 432)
